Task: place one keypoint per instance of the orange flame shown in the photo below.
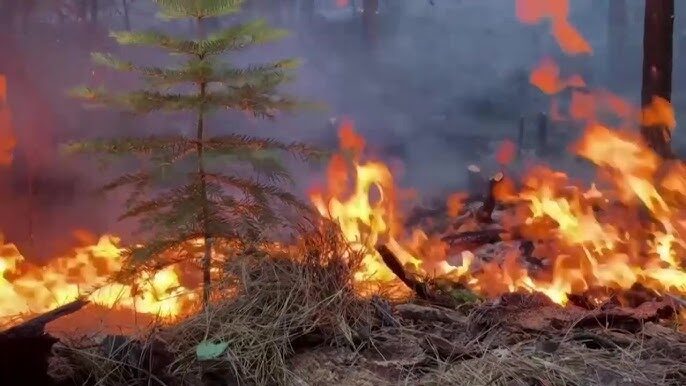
(567, 36)
(586, 241)
(27, 289)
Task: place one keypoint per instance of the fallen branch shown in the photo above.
(36, 326)
(392, 262)
(474, 238)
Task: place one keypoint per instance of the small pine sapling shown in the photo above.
(205, 200)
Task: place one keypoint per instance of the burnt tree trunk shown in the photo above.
(658, 32)
(94, 11)
(370, 22)
(616, 41)
(127, 19)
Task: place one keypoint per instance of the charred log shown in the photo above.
(36, 326)
(474, 239)
(392, 262)
(24, 360)
(486, 212)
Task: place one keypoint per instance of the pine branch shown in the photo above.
(238, 37)
(239, 142)
(258, 191)
(139, 178)
(173, 144)
(156, 39)
(235, 38)
(163, 200)
(197, 9)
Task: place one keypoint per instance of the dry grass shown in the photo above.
(570, 364)
(280, 301)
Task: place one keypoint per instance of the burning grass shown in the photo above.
(277, 304)
(297, 317)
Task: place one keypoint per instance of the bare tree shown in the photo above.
(658, 33)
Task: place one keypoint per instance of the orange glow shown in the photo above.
(567, 36)
(7, 138)
(586, 241)
(455, 203)
(546, 77)
(506, 153)
(342, 3)
(659, 113)
(26, 288)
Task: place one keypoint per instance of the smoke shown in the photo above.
(432, 85)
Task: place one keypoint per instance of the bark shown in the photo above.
(127, 19)
(392, 262)
(94, 11)
(657, 68)
(370, 22)
(616, 42)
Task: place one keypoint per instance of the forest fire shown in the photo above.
(626, 233)
(623, 231)
(86, 273)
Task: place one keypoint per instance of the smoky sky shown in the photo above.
(432, 85)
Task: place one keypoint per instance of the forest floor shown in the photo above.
(301, 323)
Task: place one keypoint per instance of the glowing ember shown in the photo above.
(26, 288)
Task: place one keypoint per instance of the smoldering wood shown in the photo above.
(392, 262)
(486, 212)
(471, 239)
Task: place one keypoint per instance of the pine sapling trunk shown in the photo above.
(207, 237)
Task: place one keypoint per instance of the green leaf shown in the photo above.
(207, 350)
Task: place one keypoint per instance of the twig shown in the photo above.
(392, 262)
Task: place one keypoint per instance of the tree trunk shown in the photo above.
(127, 19)
(616, 42)
(370, 22)
(658, 32)
(207, 237)
(94, 11)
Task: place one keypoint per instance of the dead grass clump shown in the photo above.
(281, 302)
(571, 363)
(114, 360)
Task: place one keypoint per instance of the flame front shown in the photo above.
(625, 234)
(623, 230)
(26, 288)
